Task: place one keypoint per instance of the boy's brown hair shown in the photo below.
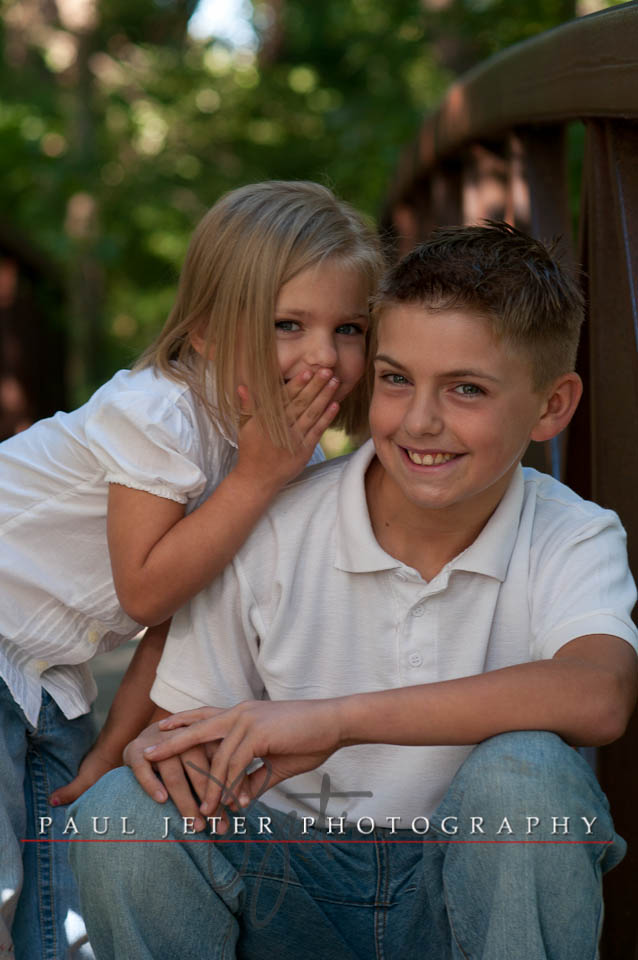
(503, 275)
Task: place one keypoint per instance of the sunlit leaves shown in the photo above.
(170, 122)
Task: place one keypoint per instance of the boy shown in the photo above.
(391, 609)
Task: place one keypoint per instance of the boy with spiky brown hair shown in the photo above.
(392, 610)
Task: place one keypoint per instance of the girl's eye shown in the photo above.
(350, 329)
(396, 379)
(288, 326)
(468, 390)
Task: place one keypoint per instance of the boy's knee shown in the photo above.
(115, 795)
(529, 777)
(535, 757)
(526, 753)
(108, 811)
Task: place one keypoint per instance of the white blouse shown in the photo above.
(58, 605)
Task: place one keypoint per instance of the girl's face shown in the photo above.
(321, 319)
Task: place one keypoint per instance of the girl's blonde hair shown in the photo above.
(248, 245)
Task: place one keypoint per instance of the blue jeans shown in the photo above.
(39, 906)
(379, 896)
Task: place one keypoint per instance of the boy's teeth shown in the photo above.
(428, 460)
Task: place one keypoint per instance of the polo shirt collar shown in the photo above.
(357, 548)
(358, 551)
(490, 553)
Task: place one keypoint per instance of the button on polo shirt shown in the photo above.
(313, 607)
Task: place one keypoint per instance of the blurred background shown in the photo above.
(122, 122)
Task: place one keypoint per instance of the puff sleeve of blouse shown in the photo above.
(148, 441)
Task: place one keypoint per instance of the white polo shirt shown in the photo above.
(313, 607)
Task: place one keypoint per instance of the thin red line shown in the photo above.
(221, 838)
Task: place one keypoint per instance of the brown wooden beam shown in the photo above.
(610, 260)
(584, 68)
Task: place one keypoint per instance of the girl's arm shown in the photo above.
(183, 778)
(161, 558)
(131, 711)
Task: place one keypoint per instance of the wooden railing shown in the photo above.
(504, 144)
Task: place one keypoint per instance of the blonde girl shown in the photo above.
(114, 515)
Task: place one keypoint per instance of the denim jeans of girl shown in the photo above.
(446, 894)
(39, 911)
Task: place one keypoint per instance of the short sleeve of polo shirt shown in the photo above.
(147, 442)
(211, 649)
(582, 585)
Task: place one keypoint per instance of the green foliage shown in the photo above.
(117, 136)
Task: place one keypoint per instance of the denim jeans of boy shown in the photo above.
(394, 896)
(39, 908)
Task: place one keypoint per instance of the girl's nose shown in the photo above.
(321, 351)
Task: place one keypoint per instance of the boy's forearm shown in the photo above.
(132, 709)
(583, 702)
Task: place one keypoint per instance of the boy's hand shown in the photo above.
(180, 775)
(309, 412)
(290, 736)
(94, 766)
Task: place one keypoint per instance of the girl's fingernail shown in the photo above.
(54, 802)
(244, 800)
(160, 796)
(306, 375)
(334, 382)
(199, 825)
(325, 373)
(150, 749)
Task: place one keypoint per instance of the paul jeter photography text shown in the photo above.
(341, 828)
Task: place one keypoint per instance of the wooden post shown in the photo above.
(610, 259)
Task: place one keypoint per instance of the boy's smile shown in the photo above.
(452, 413)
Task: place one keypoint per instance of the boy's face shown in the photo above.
(452, 411)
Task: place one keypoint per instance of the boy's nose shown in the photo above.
(423, 418)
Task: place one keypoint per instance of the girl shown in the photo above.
(170, 465)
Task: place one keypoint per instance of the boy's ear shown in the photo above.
(561, 400)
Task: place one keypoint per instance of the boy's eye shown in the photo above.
(468, 390)
(288, 326)
(394, 378)
(350, 329)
